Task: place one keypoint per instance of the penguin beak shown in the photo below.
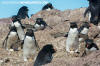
(55, 49)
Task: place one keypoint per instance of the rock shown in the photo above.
(59, 21)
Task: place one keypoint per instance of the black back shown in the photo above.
(23, 12)
(48, 5)
(15, 18)
(45, 55)
(94, 8)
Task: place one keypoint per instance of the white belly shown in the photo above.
(72, 40)
(89, 15)
(29, 42)
(99, 27)
(39, 26)
(21, 33)
(17, 24)
(12, 24)
(92, 49)
(81, 39)
(48, 9)
(85, 31)
(12, 34)
(29, 45)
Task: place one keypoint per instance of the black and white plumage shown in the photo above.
(90, 45)
(23, 12)
(20, 29)
(72, 42)
(11, 39)
(48, 7)
(40, 24)
(83, 31)
(94, 11)
(30, 45)
(45, 55)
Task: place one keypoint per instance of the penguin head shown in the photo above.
(88, 42)
(86, 25)
(23, 12)
(49, 48)
(16, 21)
(49, 4)
(73, 25)
(30, 32)
(24, 8)
(39, 20)
(15, 18)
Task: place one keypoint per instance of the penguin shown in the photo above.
(23, 12)
(90, 45)
(72, 42)
(11, 39)
(19, 27)
(45, 55)
(83, 31)
(40, 24)
(48, 7)
(30, 46)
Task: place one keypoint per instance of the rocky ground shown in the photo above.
(59, 21)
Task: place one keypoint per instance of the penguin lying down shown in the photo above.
(90, 45)
(45, 55)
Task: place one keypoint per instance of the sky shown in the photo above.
(11, 7)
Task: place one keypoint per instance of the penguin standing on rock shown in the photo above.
(83, 31)
(11, 39)
(90, 45)
(72, 42)
(30, 46)
(48, 7)
(45, 55)
(19, 27)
